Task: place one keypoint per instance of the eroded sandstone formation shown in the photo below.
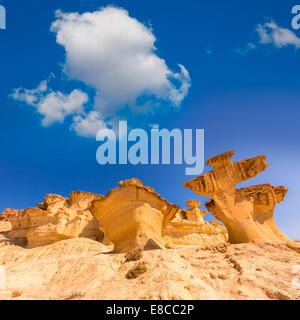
(57, 218)
(188, 228)
(187, 233)
(248, 212)
(194, 214)
(5, 225)
(133, 216)
(4, 216)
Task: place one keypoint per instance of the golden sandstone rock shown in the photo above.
(190, 229)
(133, 216)
(187, 233)
(248, 212)
(7, 213)
(5, 225)
(57, 218)
(195, 214)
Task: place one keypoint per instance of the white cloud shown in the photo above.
(54, 106)
(271, 33)
(30, 96)
(115, 54)
(88, 125)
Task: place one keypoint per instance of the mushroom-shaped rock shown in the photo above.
(195, 214)
(248, 212)
(259, 202)
(226, 174)
(193, 203)
(133, 216)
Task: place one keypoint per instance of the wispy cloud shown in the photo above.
(114, 54)
(271, 33)
(53, 106)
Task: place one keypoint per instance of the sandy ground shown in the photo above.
(84, 269)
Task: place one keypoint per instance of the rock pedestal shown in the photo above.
(248, 212)
(195, 214)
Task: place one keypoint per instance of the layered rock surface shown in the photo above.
(55, 219)
(188, 228)
(5, 225)
(82, 269)
(130, 216)
(133, 216)
(195, 260)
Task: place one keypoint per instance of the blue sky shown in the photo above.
(243, 90)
